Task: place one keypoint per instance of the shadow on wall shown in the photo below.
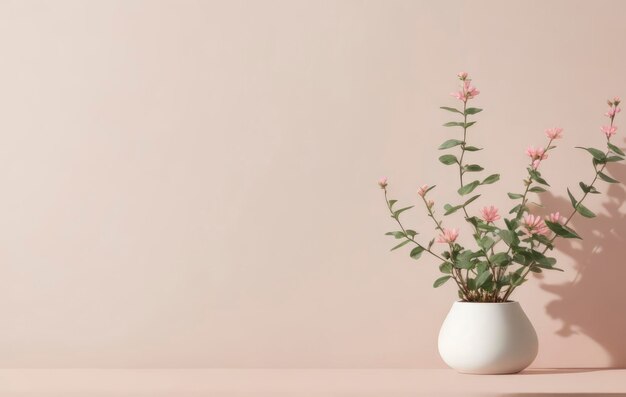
(593, 303)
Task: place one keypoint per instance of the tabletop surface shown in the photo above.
(308, 382)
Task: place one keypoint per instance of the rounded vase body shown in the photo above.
(487, 338)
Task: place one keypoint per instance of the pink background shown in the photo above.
(192, 184)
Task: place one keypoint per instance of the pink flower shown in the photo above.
(612, 111)
(448, 236)
(616, 100)
(382, 182)
(490, 214)
(609, 130)
(430, 204)
(422, 190)
(462, 75)
(470, 91)
(556, 217)
(536, 153)
(535, 164)
(458, 95)
(554, 133)
(467, 91)
(535, 225)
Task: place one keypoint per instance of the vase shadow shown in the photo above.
(593, 303)
(556, 371)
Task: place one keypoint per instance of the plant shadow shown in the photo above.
(593, 303)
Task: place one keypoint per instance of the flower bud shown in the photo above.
(382, 182)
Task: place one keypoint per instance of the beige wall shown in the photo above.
(193, 183)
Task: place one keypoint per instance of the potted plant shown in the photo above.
(485, 332)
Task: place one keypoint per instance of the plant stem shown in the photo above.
(463, 151)
(522, 206)
(431, 214)
(569, 218)
(427, 249)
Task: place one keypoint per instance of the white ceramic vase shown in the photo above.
(487, 338)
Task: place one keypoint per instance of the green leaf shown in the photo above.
(473, 168)
(459, 124)
(596, 153)
(451, 209)
(539, 179)
(454, 124)
(537, 189)
(398, 212)
(441, 281)
(391, 203)
(500, 259)
(472, 220)
(448, 159)
(480, 280)
(411, 233)
(504, 281)
(571, 198)
(587, 188)
(485, 243)
(509, 237)
(510, 224)
(470, 200)
(449, 109)
(615, 149)
(546, 263)
(612, 159)
(536, 176)
(607, 178)
(472, 110)
(416, 252)
(398, 234)
(543, 240)
(515, 209)
(561, 230)
(516, 278)
(445, 267)
(483, 225)
(481, 267)
(464, 260)
(402, 244)
(515, 196)
(472, 148)
(471, 284)
(450, 143)
(491, 179)
(524, 258)
(463, 190)
(584, 211)
(488, 285)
